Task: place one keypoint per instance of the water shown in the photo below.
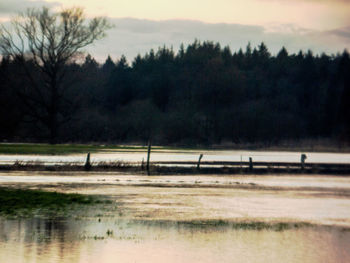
(167, 155)
(116, 178)
(37, 240)
(315, 199)
(142, 228)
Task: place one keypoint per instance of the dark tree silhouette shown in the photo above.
(43, 43)
(203, 94)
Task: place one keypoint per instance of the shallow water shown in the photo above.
(315, 199)
(167, 155)
(116, 178)
(134, 232)
(87, 241)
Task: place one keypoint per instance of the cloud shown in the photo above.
(8, 7)
(341, 32)
(136, 36)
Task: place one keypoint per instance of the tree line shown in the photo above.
(202, 94)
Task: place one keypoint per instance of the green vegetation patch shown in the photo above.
(47, 148)
(57, 149)
(25, 203)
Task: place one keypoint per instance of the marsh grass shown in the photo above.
(274, 226)
(27, 203)
(114, 164)
(35, 165)
(215, 224)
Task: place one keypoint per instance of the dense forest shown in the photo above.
(201, 95)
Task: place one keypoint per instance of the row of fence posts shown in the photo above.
(87, 165)
(302, 162)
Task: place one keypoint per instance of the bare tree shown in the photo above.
(43, 43)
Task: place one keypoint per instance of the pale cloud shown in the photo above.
(343, 33)
(320, 15)
(296, 24)
(314, 14)
(136, 36)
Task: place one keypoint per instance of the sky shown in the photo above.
(139, 25)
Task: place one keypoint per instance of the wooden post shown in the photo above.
(87, 164)
(199, 161)
(250, 164)
(302, 159)
(148, 156)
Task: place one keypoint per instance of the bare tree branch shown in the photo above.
(49, 41)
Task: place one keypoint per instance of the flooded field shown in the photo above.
(204, 218)
(185, 155)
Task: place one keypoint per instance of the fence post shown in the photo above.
(199, 161)
(302, 159)
(148, 156)
(87, 164)
(250, 164)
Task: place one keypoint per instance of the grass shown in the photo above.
(60, 149)
(36, 148)
(27, 203)
(32, 148)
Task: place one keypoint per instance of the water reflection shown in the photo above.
(315, 199)
(31, 240)
(40, 240)
(232, 181)
(119, 237)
